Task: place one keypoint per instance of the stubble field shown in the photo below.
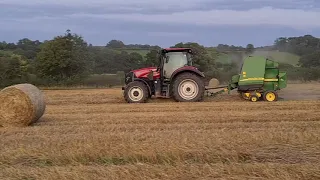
(93, 134)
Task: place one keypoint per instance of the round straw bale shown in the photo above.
(213, 82)
(21, 105)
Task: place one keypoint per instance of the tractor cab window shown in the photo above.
(173, 61)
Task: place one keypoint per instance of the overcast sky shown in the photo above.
(161, 22)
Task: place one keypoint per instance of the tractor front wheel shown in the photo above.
(136, 92)
(188, 87)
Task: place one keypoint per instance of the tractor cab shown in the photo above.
(171, 59)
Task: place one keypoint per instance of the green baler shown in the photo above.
(259, 78)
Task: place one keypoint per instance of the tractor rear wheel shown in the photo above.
(188, 87)
(136, 92)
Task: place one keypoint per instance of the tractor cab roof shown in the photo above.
(166, 50)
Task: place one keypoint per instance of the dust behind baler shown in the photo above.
(259, 78)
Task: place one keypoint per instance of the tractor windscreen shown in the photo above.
(175, 60)
(181, 58)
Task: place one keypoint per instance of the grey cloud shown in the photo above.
(264, 16)
(59, 8)
(154, 21)
(168, 34)
(108, 3)
(154, 6)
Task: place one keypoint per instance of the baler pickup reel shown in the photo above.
(225, 89)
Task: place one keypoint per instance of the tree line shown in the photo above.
(69, 60)
(308, 48)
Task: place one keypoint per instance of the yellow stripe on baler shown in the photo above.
(269, 80)
(252, 79)
(258, 79)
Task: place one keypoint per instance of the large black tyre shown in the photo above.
(188, 87)
(243, 96)
(136, 92)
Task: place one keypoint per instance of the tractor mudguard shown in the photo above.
(187, 69)
(146, 83)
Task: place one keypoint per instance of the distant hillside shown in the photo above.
(281, 57)
(226, 58)
(142, 52)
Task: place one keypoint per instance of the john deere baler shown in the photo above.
(259, 78)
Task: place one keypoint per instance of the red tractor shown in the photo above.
(174, 77)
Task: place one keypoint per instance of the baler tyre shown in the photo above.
(136, 92)
(254, 98)
(188, 87)
(243, 96)
(270, 96)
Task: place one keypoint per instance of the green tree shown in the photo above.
(3, 45)
(64, 57)
(124, 62)
(115, 44)
(135, 59)
(11, 70)
(310, 60)
(301, 45)
(152, 58)
(201, 57)
(27, 48)
(249, 48)
(103, 59)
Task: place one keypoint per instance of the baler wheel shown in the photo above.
(244, 96)
(254, 98)
(270, 96)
